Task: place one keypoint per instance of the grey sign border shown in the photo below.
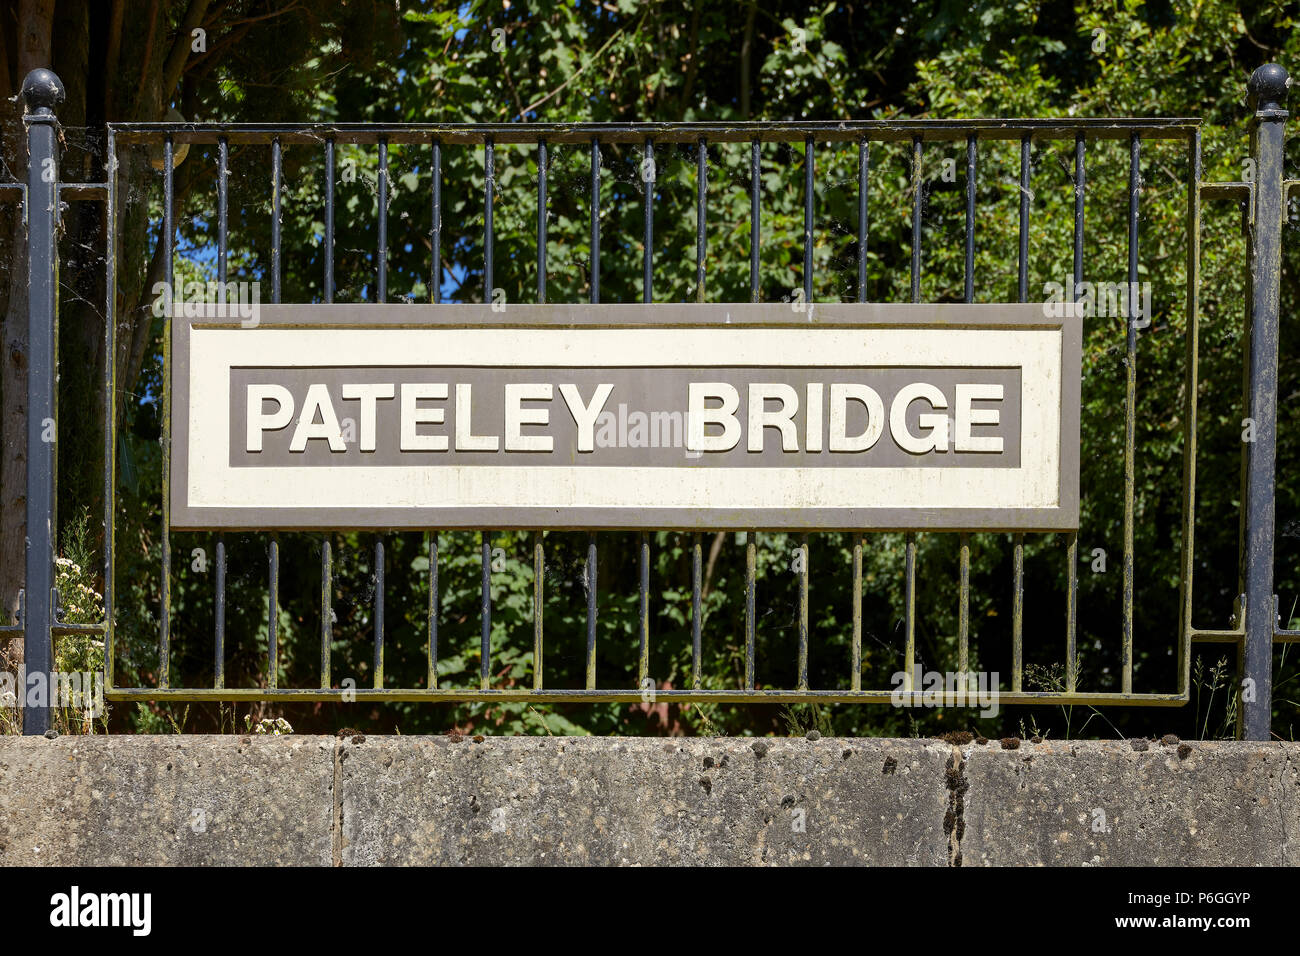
(992, 316)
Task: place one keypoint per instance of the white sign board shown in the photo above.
(849, 416)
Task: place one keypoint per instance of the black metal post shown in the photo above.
(42, 91)
(1268, 87)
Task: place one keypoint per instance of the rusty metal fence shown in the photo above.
(1254, 627)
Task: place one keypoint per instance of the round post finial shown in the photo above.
(42, 91)
(1268, 87)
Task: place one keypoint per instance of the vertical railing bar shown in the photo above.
(648, 174)
(379, 612)
(1022, 269)
(1072, 539)
(1190, 390)
(864, 165)
(918, 194)
(273, 615)
(489, 241)
(219, 614)
(963, 607)
(809, 198)
(329, 220)
(751, 616)
(381, 199)
(110, 410)
(971, 159)
(169, 267)
(485, 602)
(223, 218)
(277, 179)
(643, 665)
(1130, 410)
(909, 608)
(1079, 185)
(326, 546)
(755, 215)
(968, 295)
(591, 582)
(541, 220)
(697, 576)
(1072, 612)
(326, 611)
(273, 582)
(1240, 609)
(803, 614)
(435, 236)
(1017, 612)
(595, 219)
(701, 211)
(539, 605)
(435, 609)
(855, 653)
(1270, 220)
(223, 223)
(1018, 540)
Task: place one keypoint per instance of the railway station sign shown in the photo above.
(843, 416)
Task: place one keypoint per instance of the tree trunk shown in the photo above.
(81, 277)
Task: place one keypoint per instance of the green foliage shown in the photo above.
(79, 654)
(533, 61)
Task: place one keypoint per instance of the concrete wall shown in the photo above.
(525, 800)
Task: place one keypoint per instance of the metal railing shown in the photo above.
(1255, 628)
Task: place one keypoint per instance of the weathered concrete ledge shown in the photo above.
(661, 801)
(1093, 803)
(652, 801)
(115, 801)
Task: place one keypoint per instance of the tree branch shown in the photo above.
(581, 69)
(692, 64)
(145, 62)
(180, 51)
(746, 51)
